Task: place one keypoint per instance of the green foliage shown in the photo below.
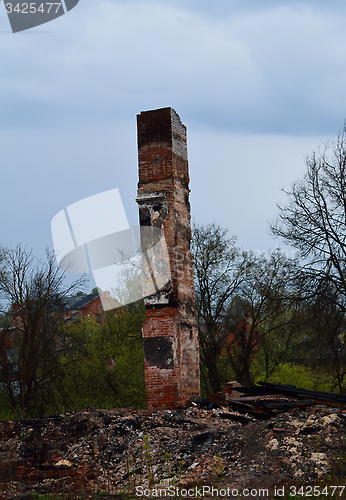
(6, 411)
(104, 366)
(301, 376)
(97, 365)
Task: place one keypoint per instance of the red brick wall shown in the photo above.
(172, 371)
(93, 308)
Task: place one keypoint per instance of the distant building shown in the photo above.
(74, 308)
(88, 306)
(243, 334)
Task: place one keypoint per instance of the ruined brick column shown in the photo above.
(170, 333)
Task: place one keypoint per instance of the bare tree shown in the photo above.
(263, 314)
(219, 269)
(33, 294)
(314, 220)
(242, 302)
(325, 336)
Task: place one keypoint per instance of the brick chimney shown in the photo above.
(170, 333)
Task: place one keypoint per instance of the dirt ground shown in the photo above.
(130, 453)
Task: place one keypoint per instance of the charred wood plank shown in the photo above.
(287, 404)
(237, 418)
(267, 388)
(250, 409)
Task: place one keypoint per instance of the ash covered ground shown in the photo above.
(126, 452)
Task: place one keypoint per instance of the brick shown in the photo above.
(163, 193)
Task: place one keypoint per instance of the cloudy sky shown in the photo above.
(258, 83)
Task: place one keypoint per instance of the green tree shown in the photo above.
(104, 366)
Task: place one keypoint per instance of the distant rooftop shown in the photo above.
(79, 301)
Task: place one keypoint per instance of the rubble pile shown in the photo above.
(110, 452)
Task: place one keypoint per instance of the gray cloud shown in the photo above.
(253, 69)
(240, 74)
